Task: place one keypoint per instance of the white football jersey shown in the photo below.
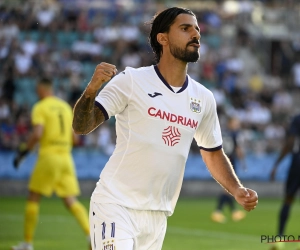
(155, 127)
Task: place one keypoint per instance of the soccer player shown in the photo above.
(234, 151)
(291, 145)
(159, 109)
(54, 170)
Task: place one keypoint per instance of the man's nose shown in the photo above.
(196, 35)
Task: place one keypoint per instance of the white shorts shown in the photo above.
(116, 227)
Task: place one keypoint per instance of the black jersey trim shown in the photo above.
(184, 86)
(211, 149)
(102, 109)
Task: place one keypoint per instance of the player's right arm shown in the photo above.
(87, 116)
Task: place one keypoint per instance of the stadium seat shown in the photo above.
(22, 35)
(35, 35)
(26, 83)
(66, 39)
(25, 91)
(18, 97)
(87, 36)
(88, 69)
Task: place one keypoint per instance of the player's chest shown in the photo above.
(160, 104)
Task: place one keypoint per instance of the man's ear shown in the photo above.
(162, 39)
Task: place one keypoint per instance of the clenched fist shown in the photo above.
(246, 197)
(103, 73)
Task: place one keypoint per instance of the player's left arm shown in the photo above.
(25, 148)
(221, 170)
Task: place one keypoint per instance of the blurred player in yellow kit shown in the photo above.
(54, 170)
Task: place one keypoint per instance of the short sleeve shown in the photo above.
(37, 116)
(208, 135)
(114, 97)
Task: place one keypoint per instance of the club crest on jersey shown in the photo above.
(108, 245)
(195, 105)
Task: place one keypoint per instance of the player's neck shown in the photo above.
(173, 71)
(46, 94)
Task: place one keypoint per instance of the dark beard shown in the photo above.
(184, 55)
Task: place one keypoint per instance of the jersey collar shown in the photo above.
(184, 86)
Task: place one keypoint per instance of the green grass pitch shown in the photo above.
(189, 228)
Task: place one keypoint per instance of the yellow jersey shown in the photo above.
(55, 115)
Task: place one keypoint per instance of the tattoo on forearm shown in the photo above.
(86, 116)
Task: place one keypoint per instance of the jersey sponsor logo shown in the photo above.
(154, 94)
(185, 121)
(195, 105)
(171, 136)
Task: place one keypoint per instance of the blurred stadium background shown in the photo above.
(250, 60)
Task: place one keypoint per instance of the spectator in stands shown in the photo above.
(4, 47)
(23, 62)
(10, 30)
(29, 46)
(8, 87)
(4, 109)
(45, 15)
(296, 70)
